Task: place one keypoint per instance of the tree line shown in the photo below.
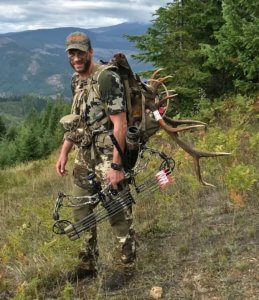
(36, 137)
(210, 47)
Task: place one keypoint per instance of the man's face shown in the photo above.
(80, 60)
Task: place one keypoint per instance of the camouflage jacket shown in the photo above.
(101, 92)
(100, 95)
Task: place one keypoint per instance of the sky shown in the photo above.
(20, 15)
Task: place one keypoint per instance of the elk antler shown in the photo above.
(161, 102)
(154, 84)
(156, 72)
(170, 125)
(196, 154)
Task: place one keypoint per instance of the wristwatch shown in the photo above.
(116, 167)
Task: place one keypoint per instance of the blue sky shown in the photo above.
(20, 15)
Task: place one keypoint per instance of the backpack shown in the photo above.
(141, 104)
(137, 95)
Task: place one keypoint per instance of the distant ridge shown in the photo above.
(34, 61)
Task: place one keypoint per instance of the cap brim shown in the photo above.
(77, 47)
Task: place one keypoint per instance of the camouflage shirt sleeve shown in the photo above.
(111, 92)
(73, 84)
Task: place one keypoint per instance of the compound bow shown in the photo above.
(113, 201)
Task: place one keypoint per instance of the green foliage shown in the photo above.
(254, 142)
(16, 108)
(39, 134)
(235, 56)
(209, 46)
(67, 293)
(173, 42)
(241, 177)
(2, 128)
(27, 145)
(11, 133)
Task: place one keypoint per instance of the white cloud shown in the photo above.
(11, 11)
(19, 15)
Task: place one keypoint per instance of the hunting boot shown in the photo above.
(125, 263)
(87, 268)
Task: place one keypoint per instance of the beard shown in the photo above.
(86, 65)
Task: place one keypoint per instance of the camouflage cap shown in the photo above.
(78, 40)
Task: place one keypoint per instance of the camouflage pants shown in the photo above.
(121, 222)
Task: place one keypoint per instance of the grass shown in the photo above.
(194, 242)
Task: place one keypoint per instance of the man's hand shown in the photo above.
(114, 177)
(63, 157)
(61, 165)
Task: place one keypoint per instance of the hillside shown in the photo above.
(195, 242)
(36, 60)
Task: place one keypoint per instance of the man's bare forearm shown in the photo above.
(66, 147)
(119, 132)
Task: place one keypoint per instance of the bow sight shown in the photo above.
(113, 201)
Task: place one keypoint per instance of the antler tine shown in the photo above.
(183, 122)
(155, 83)
(161, 102)
(170, 129)
(156, 72)
(169, 91)
(164, 78)
(196, 154)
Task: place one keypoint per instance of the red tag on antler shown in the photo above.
(161, 110)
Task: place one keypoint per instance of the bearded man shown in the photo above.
(98, 99)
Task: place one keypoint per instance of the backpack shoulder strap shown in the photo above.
(95, 81)
(97, 74)
(74, 81)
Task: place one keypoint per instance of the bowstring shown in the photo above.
(113, 207)
(118, 204)
(124, 199)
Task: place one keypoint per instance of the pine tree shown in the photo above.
(27, 145)
(11, 133)
(173, 42)
(236, 56)
(8, 153)
(2, 128)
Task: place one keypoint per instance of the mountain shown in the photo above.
(35, 61)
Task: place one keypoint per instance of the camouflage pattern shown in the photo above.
(94, 98)
(121, 223)
(89, 253)
(79, 41)
(70, 122)
(75, 130)
(100, 93)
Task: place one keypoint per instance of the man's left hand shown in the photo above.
(114, 177)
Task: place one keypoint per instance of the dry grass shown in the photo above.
(194, 242)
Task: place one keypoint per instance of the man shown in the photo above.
(98, 100)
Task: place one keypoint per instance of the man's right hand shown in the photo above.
(61, 165)
(63, 157)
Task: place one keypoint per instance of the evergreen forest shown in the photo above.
(210, 47)
(29, 128)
